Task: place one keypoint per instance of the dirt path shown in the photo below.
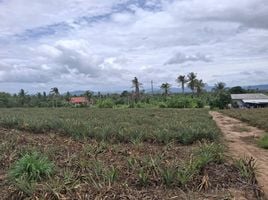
(240, 137)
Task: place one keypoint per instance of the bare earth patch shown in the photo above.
(73, 158)
(242, 143)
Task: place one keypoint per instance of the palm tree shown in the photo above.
(136, 84)
(88, 94)
(182, 80)
(218, 87)
(192, 81)
(199, 85)
(54, 92)
(165, 87)
(22, 97)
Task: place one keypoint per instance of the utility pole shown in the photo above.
(152, 87)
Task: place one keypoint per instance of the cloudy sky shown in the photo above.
(102, 44)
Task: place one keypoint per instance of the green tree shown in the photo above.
(192, 81)
(22, 97)
(218, 87)
(166, 88)
(199, 85)
(237, 90)
(55, 93)
(88, 94)
(182, 80)
(67, 96)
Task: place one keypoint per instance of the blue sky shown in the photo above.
(102, 45)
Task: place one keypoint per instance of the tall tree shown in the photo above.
(218, 87)
(22, 97)
(67, 96)
(182, 80)
(55, 93)
(199, 85)
(166, 88)
(136, 84)
(192, 81)
(88, 94)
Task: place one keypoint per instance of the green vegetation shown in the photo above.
(119, 125)
(254, 117)
(31, 167)
(263, 142)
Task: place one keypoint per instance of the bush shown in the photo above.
(180, 103)
(263, 142)
(31, 167)
(162, 105)
(221, 100)
(107, 103)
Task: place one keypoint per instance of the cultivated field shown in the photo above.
(122, 125)
(254, 117)
(116, 154)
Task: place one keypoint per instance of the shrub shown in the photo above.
(208, 153)
(247, 168)
(107, 103)
(31, 167)
(143, 177)
(162, 105)
(168, 175)
(263, 142)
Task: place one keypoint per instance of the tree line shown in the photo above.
(218, 97)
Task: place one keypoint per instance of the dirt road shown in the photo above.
(240, 140)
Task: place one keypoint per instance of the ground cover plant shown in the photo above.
(263, 142)
(254, 117)
(115, 154)
(121, 125)
(89, 169)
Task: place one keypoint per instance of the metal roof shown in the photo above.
(258, 101)
(250, 96)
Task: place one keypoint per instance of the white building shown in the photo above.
(250, 100)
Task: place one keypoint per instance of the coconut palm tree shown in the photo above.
(165, 87)
(182, 80)
(55, 93)
(191, 81)
(199, 85)
(218, 87)
(136, 84)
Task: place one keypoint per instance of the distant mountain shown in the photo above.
(259, 87)
(172, 89)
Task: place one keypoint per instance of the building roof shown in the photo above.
(250, 96)
(258, 101)
(78, 100)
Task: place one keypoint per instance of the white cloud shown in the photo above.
(102, 45)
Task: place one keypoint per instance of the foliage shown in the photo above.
(221, 100)
(263, 142)
(247, 167)
(31, 167)
(120, 125)
(255, 117)
(106, 103)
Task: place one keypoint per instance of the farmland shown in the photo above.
(115, 154)
(123, 125)
(254, 117)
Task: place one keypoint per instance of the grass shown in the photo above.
(254, 117)
(120, 125)
(263, 142)
(32, 167)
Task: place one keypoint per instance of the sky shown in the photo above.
(101, 45)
